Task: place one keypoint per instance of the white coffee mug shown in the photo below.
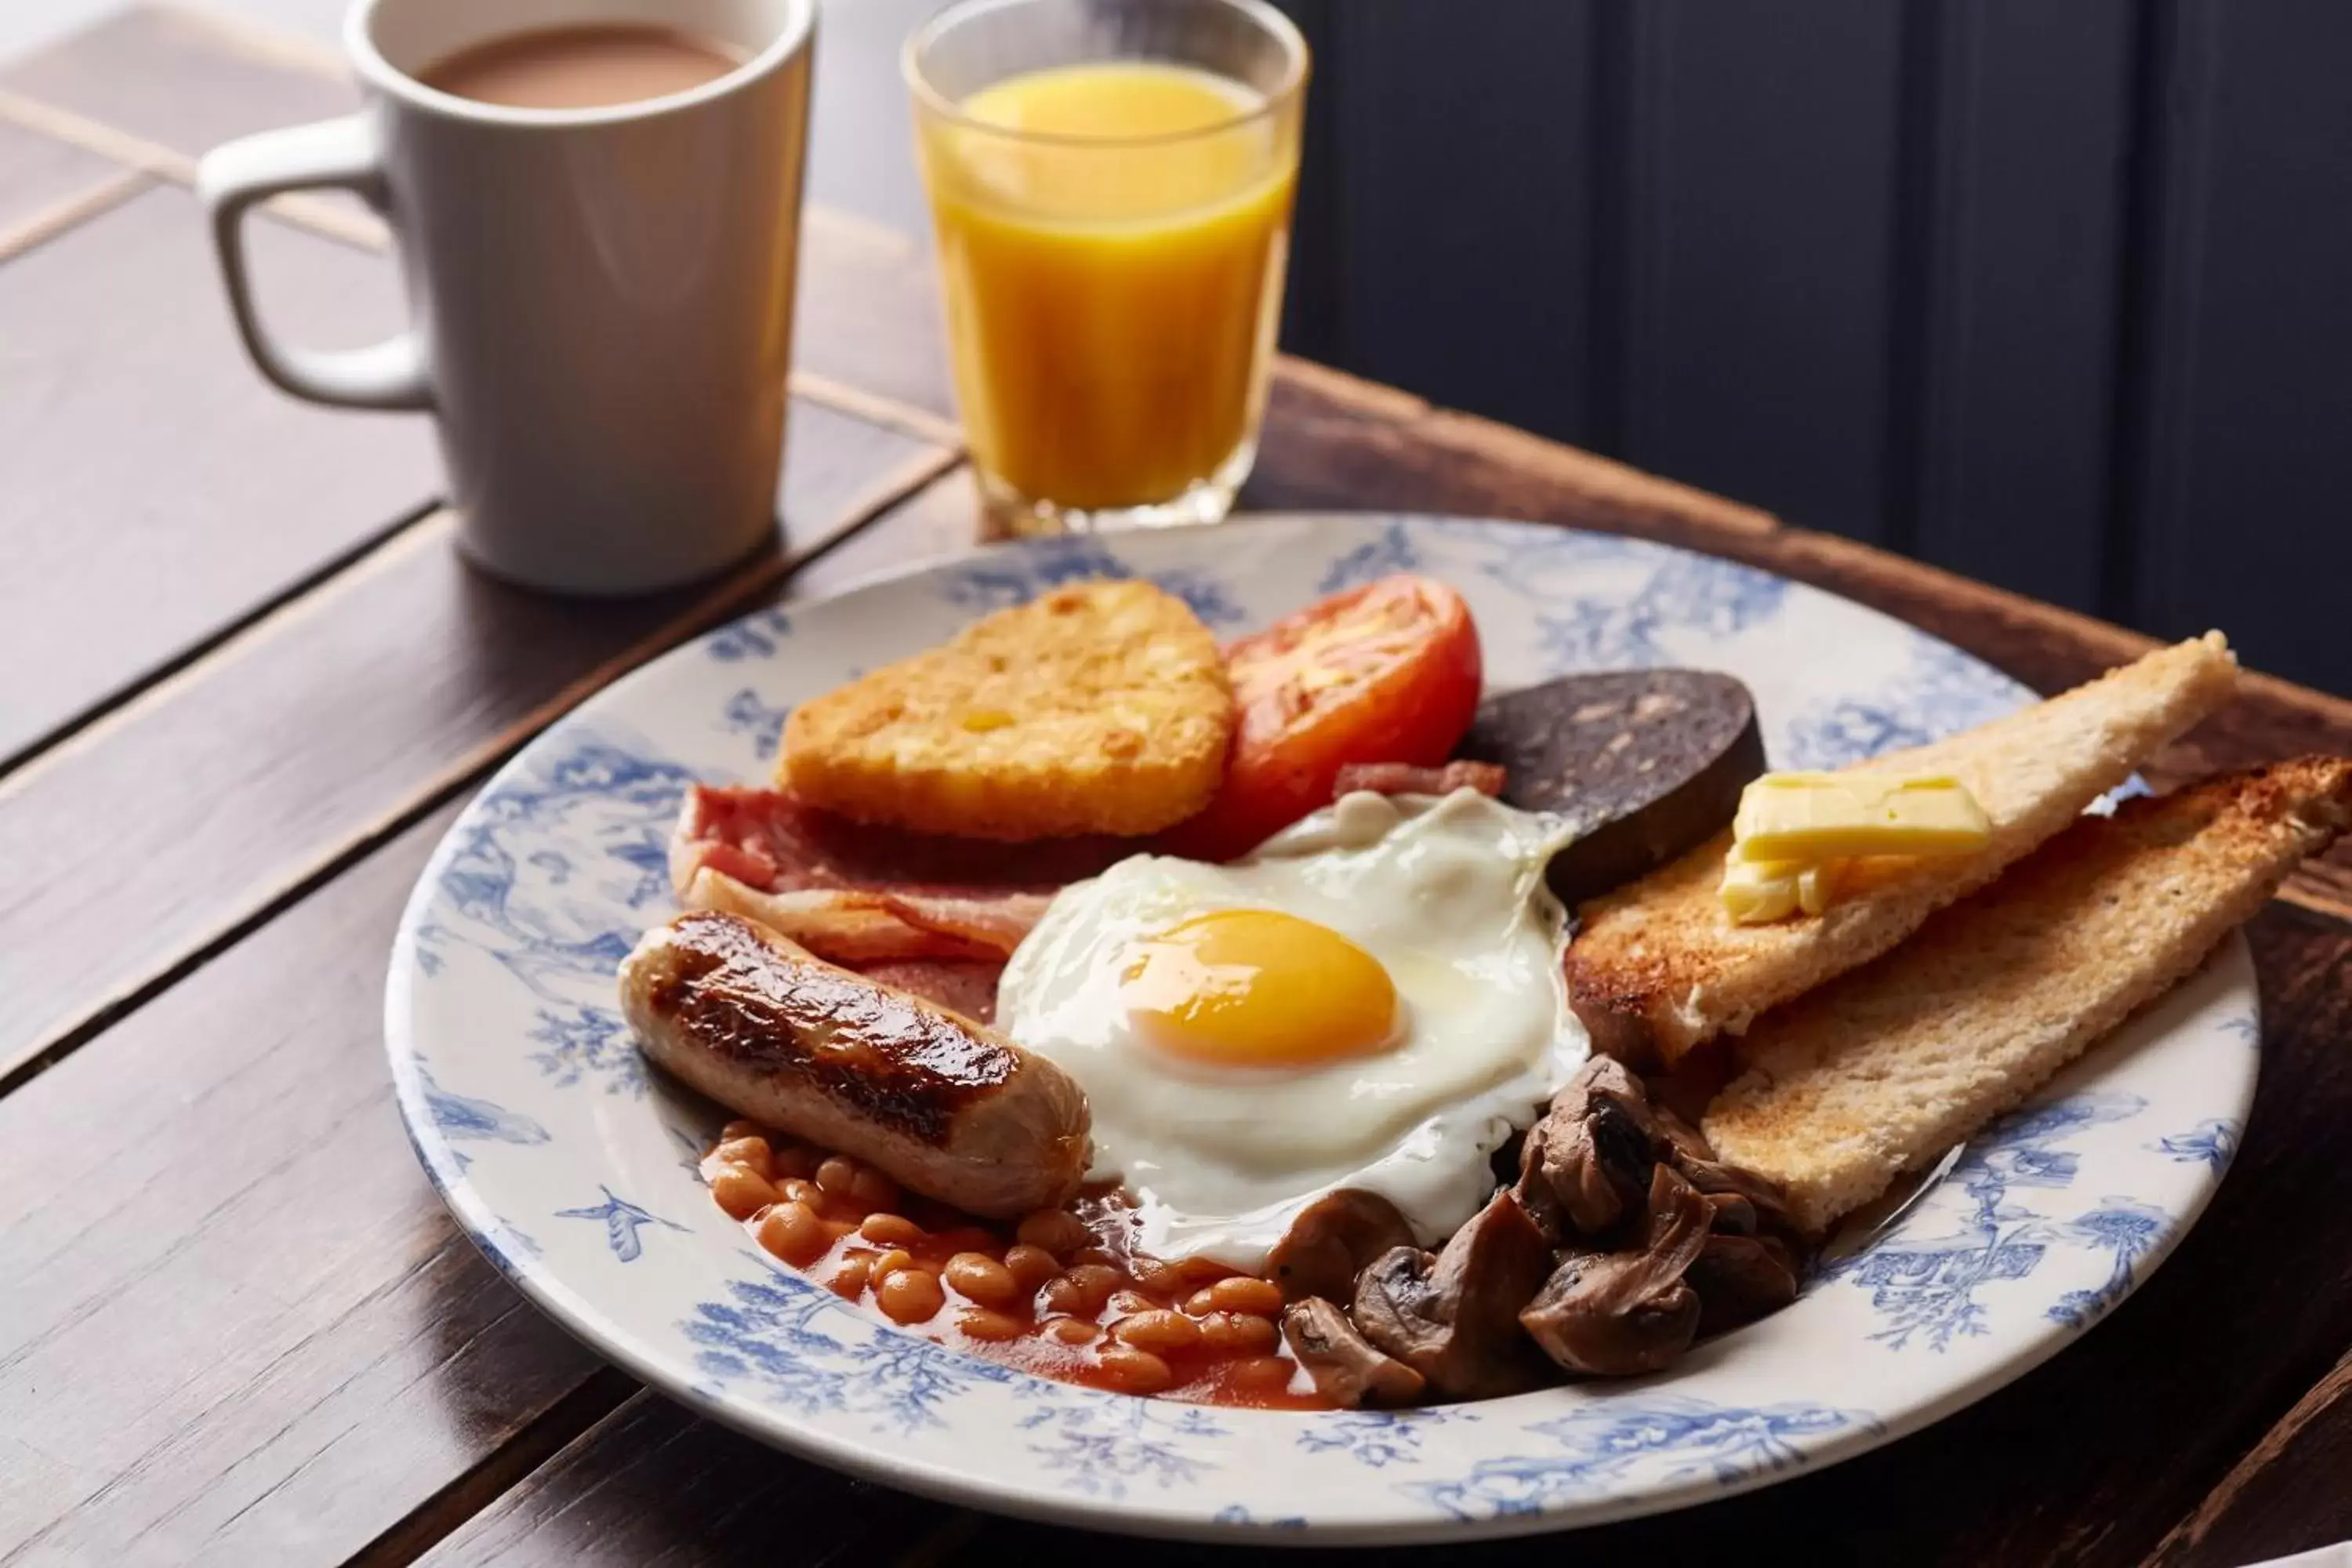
(602, 299)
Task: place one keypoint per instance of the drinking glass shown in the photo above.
(1112, 294)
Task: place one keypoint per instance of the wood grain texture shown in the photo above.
(157, 485)
(154, 87)
(204, 1361)
(41, 177)
(256, 767)
(653, 1486)
(239, 1327)
(1333, 440)
(2088, 1459)
(869, 313)
(182, 79)
(2287, 1496)
(941, 519)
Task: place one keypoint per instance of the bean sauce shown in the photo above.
(1061, 1293)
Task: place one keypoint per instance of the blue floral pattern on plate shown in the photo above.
(575, 1169)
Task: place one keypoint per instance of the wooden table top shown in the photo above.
(237, 1326)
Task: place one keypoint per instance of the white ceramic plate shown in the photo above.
(573, 1169)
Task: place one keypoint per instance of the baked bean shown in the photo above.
(890, 1229)
(739, 1128)
(1153, 1275)
(1160, 1331)
(1243, 1293)
(1126, 1302)
(837, 1173)
(1200, 1303)
(1083, 1290)
(857, 1268)
(1032, 1265)
(1133, 1371)
(791, 1160)
(909, 1296)
(1058, 1231)
(1261, 1374)
(800, 1189)
(751, 1153)
(793, 1233)
(891, 1262)
(992, 1327)
(1072, 1330)
(1100, 1256)
(871, 1189)
(1238, 1333)
(741, 1191)
(983, 1279)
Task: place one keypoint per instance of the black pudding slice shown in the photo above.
(1645, 762)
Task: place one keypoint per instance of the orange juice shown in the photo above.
(1112, 239)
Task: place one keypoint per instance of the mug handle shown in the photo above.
(342, 153)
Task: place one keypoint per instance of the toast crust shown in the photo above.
(1657, 967)
(1882, 1070)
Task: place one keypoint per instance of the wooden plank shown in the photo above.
(239, 1327)
(2239, 495)
(1492, 317)
(941, 519)
(154, 479)
(1335, 441)
(651, 1484)
(2287, 1496)
(2085, 1461)
(155, 86)
(380, 1384)
(1762, 161)
(868, 317)
(184, 79)
(2033, 106)
(251, 772)
(43, 181)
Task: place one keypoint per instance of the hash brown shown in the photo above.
(1096, 708)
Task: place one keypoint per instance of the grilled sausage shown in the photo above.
(942, 1105)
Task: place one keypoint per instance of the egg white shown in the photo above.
(1448, 893)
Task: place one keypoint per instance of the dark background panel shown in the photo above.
(2243, 513)
(2051, 295)
(1439, 298)
(2027, 194)
(1761, 156)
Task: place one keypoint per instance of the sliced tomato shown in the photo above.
(1385, 673)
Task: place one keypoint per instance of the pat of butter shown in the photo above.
(1814, 818)
(1757, 892)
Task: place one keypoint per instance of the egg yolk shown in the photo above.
(1258, 988)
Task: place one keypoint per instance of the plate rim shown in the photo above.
(1146, 1515)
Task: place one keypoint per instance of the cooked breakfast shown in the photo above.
(1282, 1025)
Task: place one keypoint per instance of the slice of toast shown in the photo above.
(1882, 1070)
(1658, 967)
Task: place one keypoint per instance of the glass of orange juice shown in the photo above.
(1111, 182)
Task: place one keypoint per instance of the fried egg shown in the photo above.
(1374, 999)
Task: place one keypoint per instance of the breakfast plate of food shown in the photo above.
(1341, 1029)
